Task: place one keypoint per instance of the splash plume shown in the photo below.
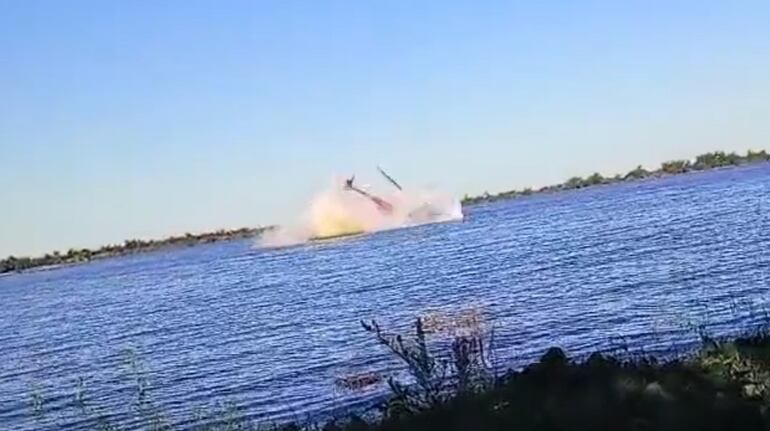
(340, 211)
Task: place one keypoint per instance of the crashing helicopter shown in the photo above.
(422, 213)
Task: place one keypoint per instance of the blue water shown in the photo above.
(636, 265)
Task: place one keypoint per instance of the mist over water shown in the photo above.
(335, 211)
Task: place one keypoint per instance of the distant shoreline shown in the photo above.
(703, 162)
(134, 246)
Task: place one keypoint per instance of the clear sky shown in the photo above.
(149, 118)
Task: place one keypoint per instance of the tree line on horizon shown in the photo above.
(12, 263)
(702, 162)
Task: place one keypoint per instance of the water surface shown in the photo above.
(637, 265)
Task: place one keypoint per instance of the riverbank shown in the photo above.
(74, 256)
(703, 162)
(723, 386)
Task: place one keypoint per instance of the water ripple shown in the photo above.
(632, 267)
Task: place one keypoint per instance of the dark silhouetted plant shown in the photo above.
(436, 377)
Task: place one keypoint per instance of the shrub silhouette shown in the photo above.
(723, 387)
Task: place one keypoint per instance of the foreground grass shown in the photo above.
(725, 386)
(723, 389)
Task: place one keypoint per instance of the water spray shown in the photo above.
(345, 209)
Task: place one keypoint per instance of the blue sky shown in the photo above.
(143, 118)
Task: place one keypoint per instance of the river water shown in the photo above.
(633, 267)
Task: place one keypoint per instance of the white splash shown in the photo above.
(336, 212)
